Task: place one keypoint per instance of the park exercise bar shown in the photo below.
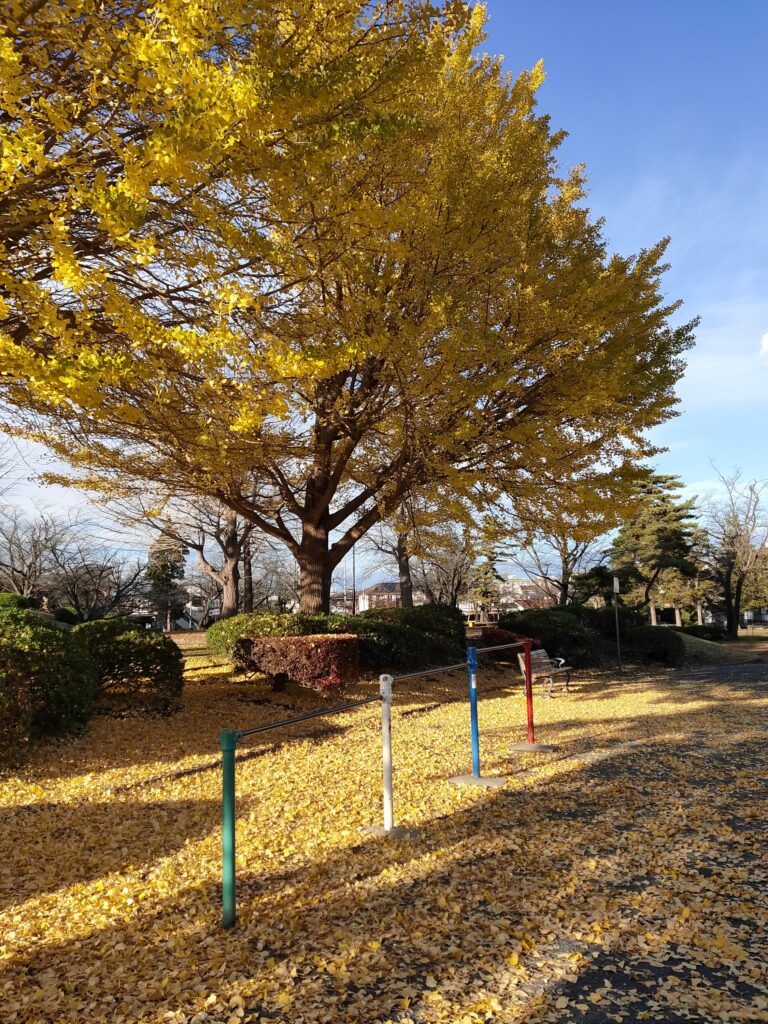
(529, 690)
(473, 653)
(472, 669)
(228, 744)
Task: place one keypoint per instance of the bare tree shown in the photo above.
(216, 534)
(737, 526)
(443, 568)
(95, 580)
(553, 559)
(275, 580)
(394, 543)
(27, 546)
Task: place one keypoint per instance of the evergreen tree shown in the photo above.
(165, 570)
(659, 536)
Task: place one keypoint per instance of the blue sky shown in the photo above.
(666, 104)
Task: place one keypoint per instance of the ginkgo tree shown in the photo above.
(421, 305)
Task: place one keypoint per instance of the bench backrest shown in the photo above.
(540, 660)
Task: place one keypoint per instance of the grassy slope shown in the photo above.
(706, 652)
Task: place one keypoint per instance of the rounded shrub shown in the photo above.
(558, 631)
(10, 601)
(222, 636)
(47, 681)
(134, 667)
(322, 662)
(443, 627)
(715, 633)
(386, 645)
(655, 644)
(66, 614)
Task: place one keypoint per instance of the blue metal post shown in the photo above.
(228, 744)
(472, 666)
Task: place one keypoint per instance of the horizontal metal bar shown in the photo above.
(499, 647)
(310, 714)
(430, 671)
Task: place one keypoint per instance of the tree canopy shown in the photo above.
(324, 308)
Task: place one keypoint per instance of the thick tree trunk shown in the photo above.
(699, 615)
(315, 570)
(247, 576)
(678, 617)
(652, 608)
(404, 568)
(230, 586)
(564, 583)
(731, 607)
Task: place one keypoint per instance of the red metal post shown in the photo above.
(529, 690)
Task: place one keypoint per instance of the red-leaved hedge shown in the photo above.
(323, 662)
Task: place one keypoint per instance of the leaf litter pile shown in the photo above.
(621, 877)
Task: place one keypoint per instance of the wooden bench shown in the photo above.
(544, 667)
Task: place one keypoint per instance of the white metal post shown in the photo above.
(385, 688)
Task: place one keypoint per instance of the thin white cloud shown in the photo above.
(764, 345)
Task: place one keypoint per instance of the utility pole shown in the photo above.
(354, 584)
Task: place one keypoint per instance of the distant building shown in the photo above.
(380, 595)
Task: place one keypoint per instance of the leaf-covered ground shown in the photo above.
(620, 878)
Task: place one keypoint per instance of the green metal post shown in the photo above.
(228, 743)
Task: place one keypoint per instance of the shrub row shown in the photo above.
(134, 666)
(715, 633)
(388, 638)
(52, 677)
(654, 643)
(558, 631)
(320, 662)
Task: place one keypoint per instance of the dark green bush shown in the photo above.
(390, 638)
(386, 646)
(559, 632)
(443, 625)
(715, 633)
(654, 644)
(10, 601)
(134, 666)
(47, 682)
(326, 663)
(66, 614)
(603, 620)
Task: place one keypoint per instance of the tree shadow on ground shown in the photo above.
(487, 901)
(78, 842)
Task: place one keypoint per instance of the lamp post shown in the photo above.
(616, 591)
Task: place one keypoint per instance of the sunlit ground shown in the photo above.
(621, 877)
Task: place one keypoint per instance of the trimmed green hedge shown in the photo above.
(714, 633)
(47, 681)
(559, 632)
(10, 601)
(222, 636)
(654, 643)
(67, 614)
(603, 620)
(134, 666)
(390, 638)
